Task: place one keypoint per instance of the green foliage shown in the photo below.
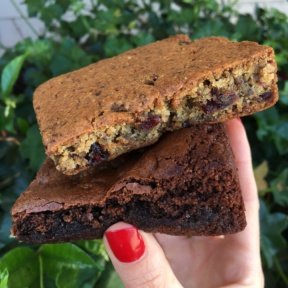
(80, 32)
(23, 267)
(272, 241)
(59, 265)
(69, 266)
(4, 278)
(10, 74)
(31, 148)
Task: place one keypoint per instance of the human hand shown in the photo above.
(158, 260)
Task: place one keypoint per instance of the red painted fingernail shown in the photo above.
(127, 244)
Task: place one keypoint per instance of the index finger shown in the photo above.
(250, 236)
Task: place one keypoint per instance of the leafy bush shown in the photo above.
(77, 33)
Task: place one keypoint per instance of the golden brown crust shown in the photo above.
(122, 89)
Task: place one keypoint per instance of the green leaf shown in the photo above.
(109, 279)
(115, 45)
(284, 94)
(260, 172)
(279, 188)
(23, 267)
(273, 127)
(67, 278)
(64, 62)
(266, 120)
(95, 247)
(272, 226)
(62, 262)
(39, 51)
(5, 225)
(22, 125)
(281, 136)
(4, 278)
(34, 6)
(60, 255)
(51, 14)
(10, 74)
(7, 122)
(143, 38)
(32, 148)
(246, 28)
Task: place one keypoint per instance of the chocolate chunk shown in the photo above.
(266, 96)
(151, 80)
(215, 91)
(190, 103)
(116, 107)
(151, 122)
(96, 154)
(220, 101)
(239, 80)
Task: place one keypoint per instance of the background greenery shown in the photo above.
(77, 34)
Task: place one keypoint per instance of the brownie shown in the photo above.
(119, 104)
(183, 185)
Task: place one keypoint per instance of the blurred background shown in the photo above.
(13, 27)
(40, 39)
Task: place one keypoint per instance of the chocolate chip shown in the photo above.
(239, 80)
(96, 154)
(97, 93)
(152, 121)
(149, 82)
(118, 107)
(152, 79)
(266, 96)
(210, 107)
(226, 99)
(190, 103)
(206, 82)
(215, 91)
(221, 101)
(71, 149)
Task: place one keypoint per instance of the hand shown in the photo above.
(161, 260)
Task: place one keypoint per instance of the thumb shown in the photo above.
(138, 258)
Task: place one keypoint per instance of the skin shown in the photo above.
(228, 261)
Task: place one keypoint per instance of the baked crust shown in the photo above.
(129, 101)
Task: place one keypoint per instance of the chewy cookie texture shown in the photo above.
(183, 185)
(126, 102)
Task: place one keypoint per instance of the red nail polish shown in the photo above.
(127, 244)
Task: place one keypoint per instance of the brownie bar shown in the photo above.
(119, 104)
(183, 185)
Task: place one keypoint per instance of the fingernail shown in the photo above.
(127, 244)
(218, 237)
